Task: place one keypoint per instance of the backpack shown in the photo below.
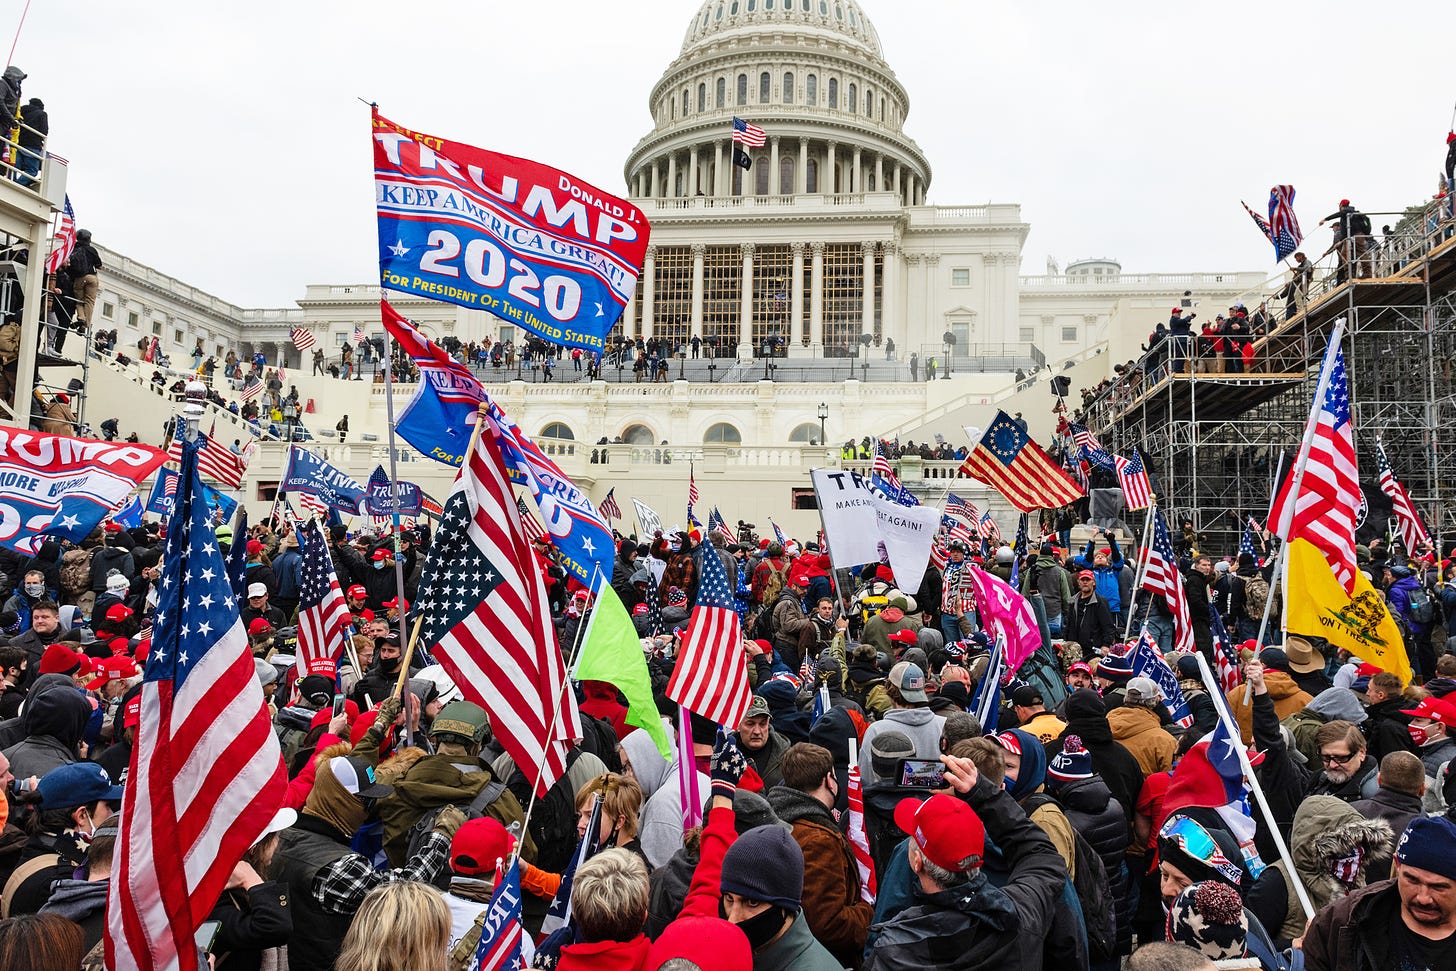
(1094, 891)
(75, 572)
(870, 605)
(1256, 596)
(1359, 224)
(553, 820)
(773, 584)
(493, 791)
(1422, 608)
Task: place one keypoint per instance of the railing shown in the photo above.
(1150, 280)
(24, 165)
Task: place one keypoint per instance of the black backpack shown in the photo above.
(1422, 608)
(1094, 892)
(1359, 224)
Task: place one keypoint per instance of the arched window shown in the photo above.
(882, 107)
(760, 176)
(743, 89)
(685, 102)
(722, 434)
(811, 89)
(702, 97)
(763, 86)
(557, 430)
(671, 108)
(811, 176)
(834, 92)
(786, 175)
(751, 5)
(638, 435)
(788, 87)
(806, 432)
(851, 103)
(869, 102)
(722, 92)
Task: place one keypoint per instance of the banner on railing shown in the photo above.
(530, 244)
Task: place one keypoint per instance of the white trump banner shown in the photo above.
(862, 527)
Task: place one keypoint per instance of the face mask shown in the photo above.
(388, 663)
(381, 564)
(1347, 869)
(761, 928)
(34, 589)
(1419, 735)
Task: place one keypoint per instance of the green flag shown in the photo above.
(612, 652)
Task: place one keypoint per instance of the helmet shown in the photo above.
(956, 546)
(463, 719)
(1004, 555)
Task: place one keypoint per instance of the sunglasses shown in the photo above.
(1196, 841)
(1336, 759)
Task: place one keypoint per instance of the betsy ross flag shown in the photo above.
(214, 460)
(859, 843)
(501, 937)
(484, 605)
(608, 507)
(65, 239)
(711, 677)
(746, 134)
(303, 338)
(1412, 531)
(1162, 578)
(206, 773)
(323, 616)
(1324, 511)
(1010, 462)
(1132, 475)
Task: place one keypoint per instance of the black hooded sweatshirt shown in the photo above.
(1087, 719)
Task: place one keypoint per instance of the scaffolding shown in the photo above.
(1214, 442)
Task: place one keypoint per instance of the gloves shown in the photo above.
(449, 820)
(727, 766)
(389, 710)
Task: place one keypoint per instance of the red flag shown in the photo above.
(1412, 531)
(859, 843)
(711, 677)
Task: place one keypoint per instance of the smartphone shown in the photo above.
(338, 705)
(206, 934)
(922, 774)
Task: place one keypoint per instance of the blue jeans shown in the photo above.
(1054, 625)
(1162, 629)
(950, 628)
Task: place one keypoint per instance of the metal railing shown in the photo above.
(24, 165)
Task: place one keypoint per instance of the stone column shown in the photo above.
(649, 281)
(934, 321)
(826, 178)
(895, 185)
(910, 194)
(890, 311)
(719, 189)
(745, 320)
(774, 187)
(629, 312)
(914, 307)
(879, 172)
(652, 177)
(695, 325)
(816, 297)
(692, 172)
(856, 177)
(671, 175)
(801, 177)
(796, 297)
(637, 183)
(867, 312)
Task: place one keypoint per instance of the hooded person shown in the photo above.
(1138, 727)
(911, 714)
(51, 725)
(1286, 694)
(1332, 704)
(1119, 768)
(782, 699)
(1333, 846)
(660, 827)
(1025, 779)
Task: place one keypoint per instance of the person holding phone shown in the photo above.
(253, 919)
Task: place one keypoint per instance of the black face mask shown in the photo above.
(761, 928)
(388, 664)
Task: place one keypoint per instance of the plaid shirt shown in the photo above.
(341, 886)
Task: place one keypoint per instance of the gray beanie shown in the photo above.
(765, 864)
(886, 750)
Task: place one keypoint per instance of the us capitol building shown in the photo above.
(827, 245)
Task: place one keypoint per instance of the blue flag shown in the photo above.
(164, 489)
(500, 936)
(311, 475)
(1019, 548)
(130, 514)
(1148, 663)
(238, 558)
(387, 498)
(986, 706)
(439, 429)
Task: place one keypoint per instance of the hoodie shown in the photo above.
(1119, 768)
(1338, 703)
(53, 722)
(1326, 831)
(1142, 734)
(922, 725)
(660, 828)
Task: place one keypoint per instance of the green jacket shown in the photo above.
(797, 950)
(444, 780)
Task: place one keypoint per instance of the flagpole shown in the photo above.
(1276, 574)
(1141, 573)
(1286, 515)
(1231, 726)
(394, 487)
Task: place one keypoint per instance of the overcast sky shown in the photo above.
(222, 143)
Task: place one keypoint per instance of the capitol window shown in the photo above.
(638, 435)
(811, 176)
(834, 92)
(685, 102)
(743, 89)
(806, 432)
(869, 102)
(751, 5)
(702, 97)
(722, 91)
(1028, 335)
(722, 434)
(1069, 333)
(811, 88)
(852, 102)
(960, 277)
(763, 88)
(788, 87)
(558, 430)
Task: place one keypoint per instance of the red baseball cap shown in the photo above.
(948, 831)
(118, 612)
(366, 615)
(131, 715)
(1436, 709)
(1086, 575)
(258, 625)
(254, 546)
(904, 637)
(116, 668)
(394, 602)
(143, 648)
(58, 660)
(1367, 670)
(357, 591)
(380, 554)
(1081, 666)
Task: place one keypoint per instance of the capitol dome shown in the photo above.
(811, 74)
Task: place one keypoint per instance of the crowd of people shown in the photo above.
(1074, 830)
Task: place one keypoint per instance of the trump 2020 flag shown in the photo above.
(523, 241)
(308, 475)
(501, 937)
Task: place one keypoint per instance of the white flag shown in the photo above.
(647, 520)
(861, 527)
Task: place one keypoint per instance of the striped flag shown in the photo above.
(532, 525)
(1246, 541)
(313, 503)
(693, 495)
(779, 534)
(1225, 654)
(1162, 578)
(65, 243)
(483, 602)
(206, 773)
(252, 389)
(987, 528)
(859, 843)
(501, 934)
(1010, 462)
(881, 467)
(711, 676)
(1148, 663)
(358, 334)
(746, 134)
(717, 524)
(214, 459)
(1132, 475)
(323, 616)
(1284, 230)
(1091, 449)
(956, 506)
(1412, 531)
(608, 507)
(1329, 499)
(1018, 547)
(303, 338)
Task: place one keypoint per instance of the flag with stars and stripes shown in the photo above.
(303, 338)
(1010, 462)
(501, 936)
(1091, 449)
(961, 508)
(1407, 522)
(1163, 579)
(532, 525)
(653, 600)
(323, 615)
(65, 239)
(711, 676)
(1246, 541)
(1147, 662)
(693, 495)
(1132, 475)
(252, 389)
(358, 334)
(214, 459)
(718, 525)
(1283, 226)
(608, 507)
(206, 773)
(987, 528)
(1225, 654)
(1324, 511)
(487, 619)
(1018, 547)
(746, 134)
(779, 534)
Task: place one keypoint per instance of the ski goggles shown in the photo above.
(1194, 840)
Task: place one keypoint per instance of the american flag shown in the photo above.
(1162, 578)
(1264, 227)
(782, 541)
(1018, 547)
(693, 494)
(1225, 654)
(987, 527)
(1324, 511)
(955, 529)
(653, 600)
(961, 508)
(303, 338)
(1008, 460)
(1132, 475)
(1091, 448)
(1148, 662)
(529, 522)
(711, 677)
(483, 601)
(66, 239)
(859, 843)
(608, 507)
(358, 334)
(881, 467)
(323, 616)
(1283, 226)
(1246, 541)
(206, 773)
(1408, 523)
(717, 524)
(501, 934)
(313, 503)
(214, 460)
(251, 389)
(746, 134)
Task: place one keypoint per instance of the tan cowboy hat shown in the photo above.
(1303, 658)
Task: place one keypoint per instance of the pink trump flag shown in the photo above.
(1008, 613)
